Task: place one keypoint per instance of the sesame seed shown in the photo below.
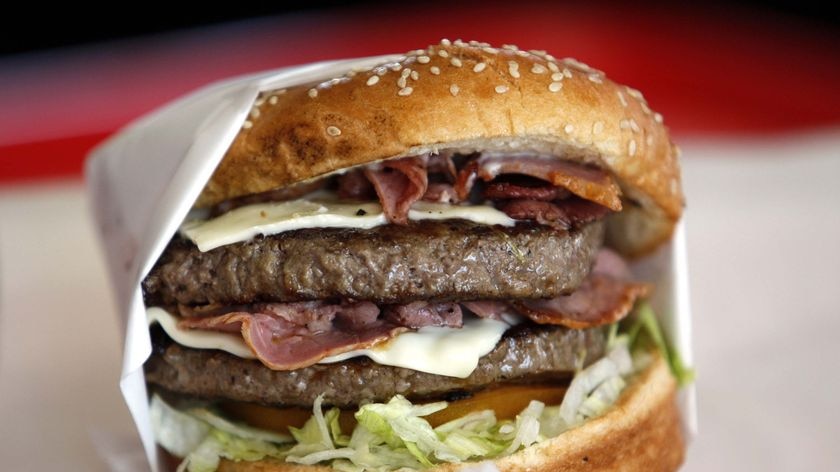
(272, 100)
(557, 76)
(446, 42)
(538, 69)
(510, 47)
(479, 67)
(552, 66)
(649, 140)
(645, 107)
(598, 127)
(333, 131)
(258, 102)
(624, 124)
(372, 80)
(490, 50)
(513, 69)
(454, 89)
(415, 75)
(247, 124)
(255, 112)
(313, 93)
(634, 93)
(569, 128)
(622, 99)
(631, 148)
(435, 70)
(405, 91)
(455, 62)
(401, 82)
(396, 67)
(423, 59)
(380, 71)
(657, 117)
(634, 126)
(352, 73)
(443, 53)
(523, 53)
(501, 88)
(419, 51)
(280, 92)
(555, 86)
(459, 43)
(567, 72)
(474, 43)
(595, 78)
(405, 73)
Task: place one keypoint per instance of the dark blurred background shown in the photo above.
(35, 27)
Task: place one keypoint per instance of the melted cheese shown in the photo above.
(320, 210)
(442, 351)
(196, 338)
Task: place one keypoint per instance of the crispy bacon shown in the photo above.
(562, 214)
(584, 181)
(598, 301)
(605, 297)
(399, 183)
(509, 191)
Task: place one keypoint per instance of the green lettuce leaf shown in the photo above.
(645, 330)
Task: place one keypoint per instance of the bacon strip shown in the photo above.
(606, 296)
(598, 301)
(419, 314)
(509, 191)
(399, 184)
(562, 214)
(441, 193)
(296, 335)
(488, 309)
(584, 181)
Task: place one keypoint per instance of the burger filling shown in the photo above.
(385, 293)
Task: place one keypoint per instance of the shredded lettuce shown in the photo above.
(396, 435)
(203, 438)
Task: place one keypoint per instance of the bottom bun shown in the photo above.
(641, 432)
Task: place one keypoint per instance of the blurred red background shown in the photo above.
(710, 70)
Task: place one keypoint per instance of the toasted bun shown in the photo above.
(641, 432)
(459, 96)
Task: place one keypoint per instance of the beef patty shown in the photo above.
(445, 260)
(524, 354)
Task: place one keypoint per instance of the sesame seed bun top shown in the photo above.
(465, 97)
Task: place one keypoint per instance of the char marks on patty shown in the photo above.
(525, 353)
(450, 260)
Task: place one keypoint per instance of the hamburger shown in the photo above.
(423, 265)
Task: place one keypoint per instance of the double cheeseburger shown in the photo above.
(422, 265)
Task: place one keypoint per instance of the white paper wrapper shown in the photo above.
(144, 180)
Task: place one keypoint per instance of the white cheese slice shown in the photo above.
(196, 338)
(321, 210)
(442, 351)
